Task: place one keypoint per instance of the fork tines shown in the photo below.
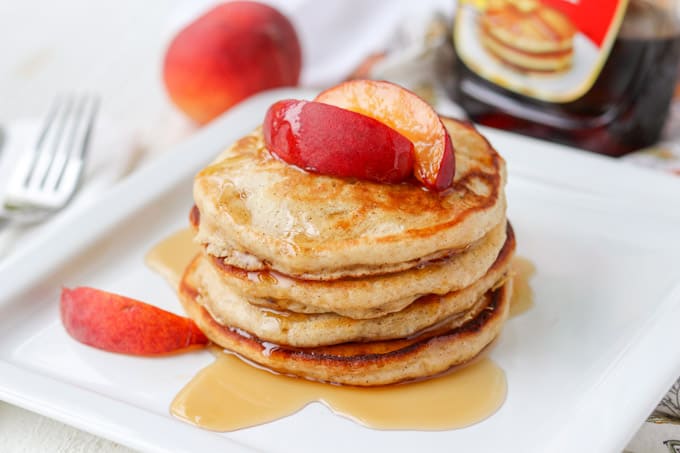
(47, 174)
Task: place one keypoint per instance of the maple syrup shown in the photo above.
(231, 394)
(171, 256)
(522, 299)
(624, 110)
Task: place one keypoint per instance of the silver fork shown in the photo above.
(47, 176)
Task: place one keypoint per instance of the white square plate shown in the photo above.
(584, 366)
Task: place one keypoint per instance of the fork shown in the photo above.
(47, 176)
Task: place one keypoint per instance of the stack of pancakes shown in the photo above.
(527, 35)
(350, 281)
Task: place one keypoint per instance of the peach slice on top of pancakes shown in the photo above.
(408, 114)
(365, 129)
(325, 139)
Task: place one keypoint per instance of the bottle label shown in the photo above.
(551, 50)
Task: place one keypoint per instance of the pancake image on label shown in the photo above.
(527, 36)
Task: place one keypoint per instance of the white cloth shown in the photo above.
(27, 432)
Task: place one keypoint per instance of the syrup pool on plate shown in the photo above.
(522, 295)
(231, 394)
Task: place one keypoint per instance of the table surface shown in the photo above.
(115, 49)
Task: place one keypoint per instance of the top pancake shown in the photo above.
(258, 212)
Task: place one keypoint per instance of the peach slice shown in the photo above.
(119, 324)
(409, 115)
(325, 139)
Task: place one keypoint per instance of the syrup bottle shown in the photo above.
(596, 74)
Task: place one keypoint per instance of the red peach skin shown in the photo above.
(325, 139)
(119, 324)
(408, 114)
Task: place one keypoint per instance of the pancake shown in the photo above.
(370, 296)
(552, 62)
(528, 35)
(259, 213)
(362, 364)
(310, 330)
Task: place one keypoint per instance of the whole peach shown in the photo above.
(231, 52)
